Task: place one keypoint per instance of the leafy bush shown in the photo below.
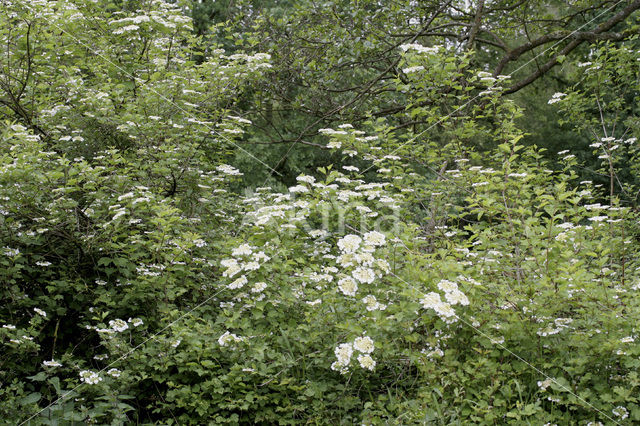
(415, 281)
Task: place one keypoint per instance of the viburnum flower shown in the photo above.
(51, 363)
(374, 238)
(364, 258)
(544, 384)
(363, 344)
(447, 286)
(349, 243)
(228, 337)
(232, 270)
(258, 287)
(557, 97)
(343, 353)
(306, 179)
(252, 266)
(261, 257)
(410, 70)
(336, 366)
(298, 188)
(420, 48)
(346, 260)
(372, 304)
(444, 310)
(621, 412)
(364, 275)
(136, 322)
(90, 377)
(457, 297)
(348, 286)
(239, 283)
(317, 233)
(431, 300)
(227, 263)
(331, 132)
(118, 325)
(243, 249)
(383, 265)
(226, 169)
(366, 362)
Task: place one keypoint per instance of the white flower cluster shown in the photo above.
(118, 325)
(52, 363)
(374, 238)
(621, 412)
(558, 325)
(356, 253)
(372, 304)
(419, 48)
(306, 179)
(486, 77)
(244, 259)
(349, 243)
(364, 275)
(410, 70)
(227, 338)
(136, 322)
(297, 189)
(345, 133)
(228, 170)
(239, 119)
(258, 287)
(344, 353)
(126, 28)
(557, 97)
(238, 283)
(544, 384)
(9, 252)
(356, 264)
(253, 62)
(281, 209)
(433, 301)
(90, 377)
(453, 296)
(364, 344)
(290, 209)
(332, 132)
(348, 286)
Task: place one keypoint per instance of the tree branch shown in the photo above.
(477, 21)
(577, 38)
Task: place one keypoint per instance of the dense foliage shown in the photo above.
(266, 212)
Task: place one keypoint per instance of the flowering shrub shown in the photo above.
(140, 286)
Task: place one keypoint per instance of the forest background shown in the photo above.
(319, 212)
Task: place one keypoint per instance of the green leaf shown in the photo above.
(32, 398)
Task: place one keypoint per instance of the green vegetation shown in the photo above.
(320, 213)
